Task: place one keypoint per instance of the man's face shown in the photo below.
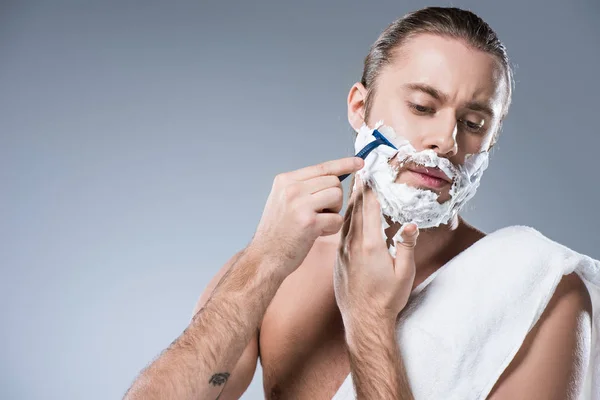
(440, 94)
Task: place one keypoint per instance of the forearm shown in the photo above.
(198, 363)
(375, 361)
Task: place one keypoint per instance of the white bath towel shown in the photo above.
(464, 324)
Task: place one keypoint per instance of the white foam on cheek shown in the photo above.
(403, 203)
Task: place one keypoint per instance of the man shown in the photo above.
(441, 77)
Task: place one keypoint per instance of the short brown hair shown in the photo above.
(443, 21)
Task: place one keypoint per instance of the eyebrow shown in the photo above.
(427, 89)
(482, 107)
(443, 97)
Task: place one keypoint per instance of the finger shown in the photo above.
(342, 166)
(356, 227)
(331, 200)
(317, 184)
(345, 238)
(350, 210)
(354, 189)
(347, 222)
(329, 223)
(404, 263)
(408, 240)
(372, 218)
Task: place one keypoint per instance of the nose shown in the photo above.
(441, 137)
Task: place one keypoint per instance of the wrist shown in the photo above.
(276, 264)
(357, 327)
(369, 318)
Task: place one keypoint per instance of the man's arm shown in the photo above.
(243, 372)
(552, 361)
(303, 205)
(200, 361)
(375, 361)
(371, 289)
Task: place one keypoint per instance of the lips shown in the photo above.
(432, 172)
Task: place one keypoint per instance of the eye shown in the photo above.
(419, 109)
(472, 126)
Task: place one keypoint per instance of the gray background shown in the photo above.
(138, 143)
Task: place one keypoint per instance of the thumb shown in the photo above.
(405, 246)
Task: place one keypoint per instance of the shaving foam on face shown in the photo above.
(403, 203)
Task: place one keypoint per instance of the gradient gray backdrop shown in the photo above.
(139, 140)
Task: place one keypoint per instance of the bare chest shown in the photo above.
(302, 346)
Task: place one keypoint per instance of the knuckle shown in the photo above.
(321, 169)
(290, 192)
(336, 222)
(338, 192)
(335, 194)
(334, 181)
(337, 206)
(408, 245)
(281, 179)
(370, 246)
(306, 219)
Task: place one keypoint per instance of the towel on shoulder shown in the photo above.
(464, 324)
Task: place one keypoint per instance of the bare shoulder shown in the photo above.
(576, 292)
(570, 306)
(553, 359)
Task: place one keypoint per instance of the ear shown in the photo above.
(356, 105)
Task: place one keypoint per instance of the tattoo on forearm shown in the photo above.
(219, 379)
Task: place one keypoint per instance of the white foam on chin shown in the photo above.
(406, 204)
